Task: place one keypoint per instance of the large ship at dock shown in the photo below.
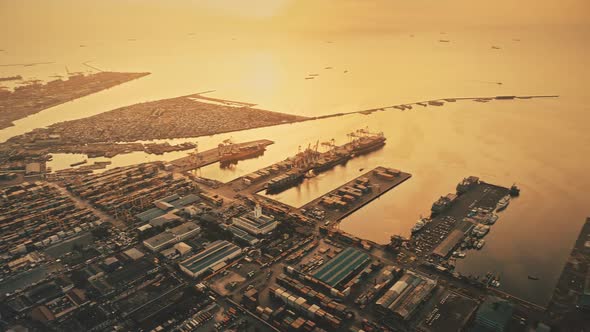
(311, 161)
(229, 152)
(284, 181)
(364, 142)
(325, 163)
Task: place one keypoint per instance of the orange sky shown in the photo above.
(33, 19)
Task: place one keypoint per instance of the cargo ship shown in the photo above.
(327, 162)
(443, 203)
(467, 184)
(233, 154)
(284, 181)
(367, 144)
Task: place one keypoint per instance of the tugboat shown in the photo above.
(514, 190)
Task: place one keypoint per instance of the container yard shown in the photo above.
(37, 215)
(345, 200)
(124, 192)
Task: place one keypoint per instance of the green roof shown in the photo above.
(341, 266)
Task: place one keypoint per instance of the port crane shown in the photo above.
(308, 156)
(330, 146)
(225, 147)
(195, 159)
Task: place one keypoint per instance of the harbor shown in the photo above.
(283, 266)
(295, 236)
(458, 221)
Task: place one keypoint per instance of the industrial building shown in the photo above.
(406, 295)
(171, 236)
(255, 222)
(166, 209)
(342, 266)
(241, 235)
(178, 250)
(212, 258)
(453, 239)
(494, 314)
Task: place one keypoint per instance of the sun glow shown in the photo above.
(249, 9)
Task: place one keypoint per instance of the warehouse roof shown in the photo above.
(212, 255)
(341, 266)
(242, 235)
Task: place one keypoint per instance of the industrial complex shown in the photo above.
(154, 247)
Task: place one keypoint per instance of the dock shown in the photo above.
(338, 206)
(208, 157)
(573, 287)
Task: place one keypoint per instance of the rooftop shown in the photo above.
(212, 255)
(341, 266)
(494, 311)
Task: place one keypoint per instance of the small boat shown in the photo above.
(420, 224)
(459, 254)
(361, 169)
(495, 47)
(503, 203)
(533, 277)
(479, 244)
(310, 77)
(444, 40)
(492, 219)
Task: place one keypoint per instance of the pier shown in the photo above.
(208, 157)
(376, 183)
